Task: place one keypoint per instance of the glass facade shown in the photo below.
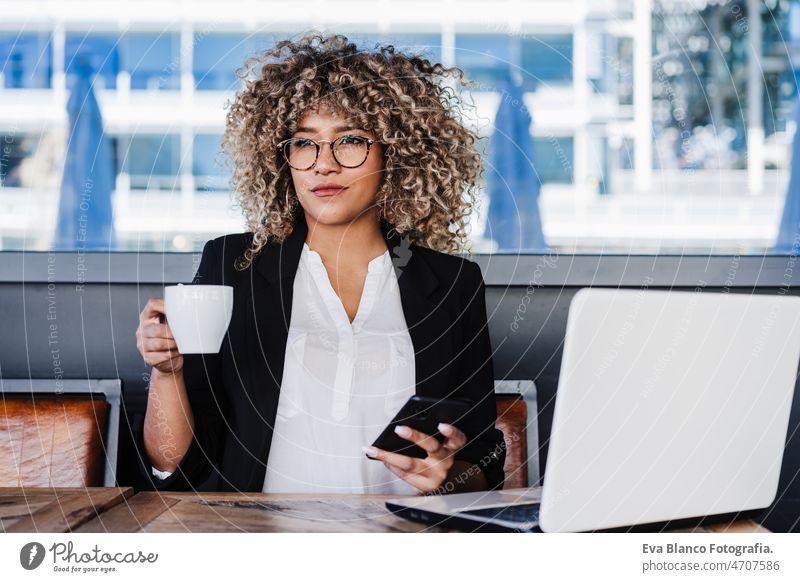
(697, 140)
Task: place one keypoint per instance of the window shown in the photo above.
(485, 58)
(553, 159)
(428, 46)
(618, 71)
(218, 56)
(705, 165)
(26, 60)
(153, 162)
(540, 58)
(100, 51)
(153, 60)
(16, 151)
(546, 59)
(207, 166)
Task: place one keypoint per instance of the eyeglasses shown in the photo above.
(349, 151)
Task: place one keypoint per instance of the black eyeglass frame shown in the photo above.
(318, 144)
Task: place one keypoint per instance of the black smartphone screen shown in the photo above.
(424, 414)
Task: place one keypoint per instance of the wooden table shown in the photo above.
(118, 510)
(55, 510)
(270, 512)
(252, 512)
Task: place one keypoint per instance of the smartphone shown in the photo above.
(421, 413)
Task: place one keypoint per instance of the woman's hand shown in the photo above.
(154, 339)
(429, 474)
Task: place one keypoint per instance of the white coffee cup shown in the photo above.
(198, 316)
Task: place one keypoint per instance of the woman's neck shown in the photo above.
(359, 241)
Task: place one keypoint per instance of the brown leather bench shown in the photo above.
(49, 440)
(512, 419)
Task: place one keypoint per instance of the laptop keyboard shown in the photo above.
(524, 513)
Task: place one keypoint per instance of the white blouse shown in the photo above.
(342, 384)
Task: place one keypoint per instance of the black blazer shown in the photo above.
(234, 394)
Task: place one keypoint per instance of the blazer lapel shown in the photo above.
(269, 311)
(426, 315)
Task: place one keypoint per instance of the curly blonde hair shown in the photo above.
(431, 164)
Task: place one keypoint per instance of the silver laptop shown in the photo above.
(671, 405)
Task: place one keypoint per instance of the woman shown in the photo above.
(357, 181)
